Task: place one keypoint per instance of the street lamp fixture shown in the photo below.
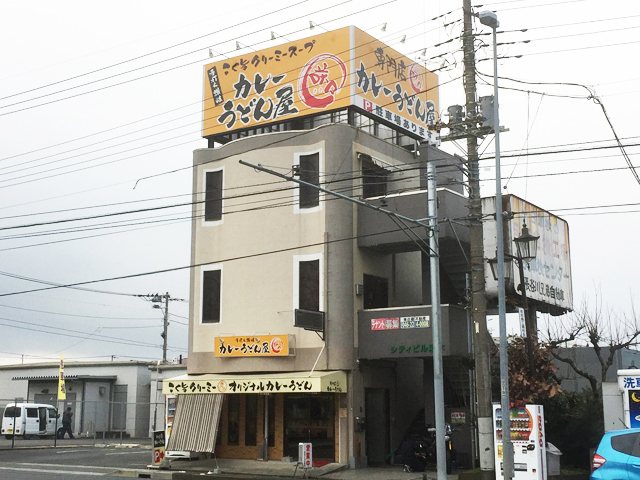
(526, 244)
(490, 19)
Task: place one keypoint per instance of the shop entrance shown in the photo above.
(376, 407)
(310, 418)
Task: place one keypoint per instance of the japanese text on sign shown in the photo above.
(411, 348)
(311, 75)
(630, 382)
(395, 323)
(240, 386)
(252, 346)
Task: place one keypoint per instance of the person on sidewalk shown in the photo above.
(66, 423)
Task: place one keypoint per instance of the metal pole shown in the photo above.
(15, 407)
(507, 445)
(165, 327)
(265, 448)
(434, 269)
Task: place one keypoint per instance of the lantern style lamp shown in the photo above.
(526, 244)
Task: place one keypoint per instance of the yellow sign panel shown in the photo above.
(329, 71)
(295, 382)
(252, 346)
(62, 390)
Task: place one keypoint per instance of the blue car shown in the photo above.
(617, 456)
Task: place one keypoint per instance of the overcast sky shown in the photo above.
(98, 96)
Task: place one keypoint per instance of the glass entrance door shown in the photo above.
(310, 418)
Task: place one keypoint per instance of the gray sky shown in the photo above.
(80, 126)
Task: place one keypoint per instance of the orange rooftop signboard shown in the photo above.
(325, 72)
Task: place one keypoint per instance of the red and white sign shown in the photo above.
(305, 455)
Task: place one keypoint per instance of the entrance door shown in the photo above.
(310, 418)
(376, 407)
(42, 419)
(32, 424)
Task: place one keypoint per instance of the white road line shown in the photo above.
(57, 465)
(64, 452)
(60, 472)
(130, 453)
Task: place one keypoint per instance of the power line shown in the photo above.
(128, 124)
(66, 332)
(166, 70)
(117, 64)
(137, 319)
(108, 147)
(163, 207)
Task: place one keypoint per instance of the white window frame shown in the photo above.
(207, 268)
(296, 278)
(211, 223)
(296, 191)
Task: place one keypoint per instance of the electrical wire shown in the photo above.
(162, 71)
(117, 64)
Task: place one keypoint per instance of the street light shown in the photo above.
(526, 247)
(490, 19)
(526, 244)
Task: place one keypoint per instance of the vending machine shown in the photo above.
(170, 413)
(529, 442)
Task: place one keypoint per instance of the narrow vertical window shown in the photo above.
(213, 196)
(376, 292)
(309, 285)
(233, 420)
(211, 288)
(374, 178)
(310, 173)
(251, 420)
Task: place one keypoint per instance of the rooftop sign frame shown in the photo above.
(318, 74)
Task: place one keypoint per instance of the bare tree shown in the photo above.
(599, 328)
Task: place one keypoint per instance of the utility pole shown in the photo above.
(478, 296)
(157, 301)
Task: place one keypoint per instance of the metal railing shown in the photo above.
(93, 422)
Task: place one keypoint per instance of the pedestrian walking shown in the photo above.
(67, 416)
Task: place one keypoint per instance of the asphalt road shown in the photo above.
(73, 461)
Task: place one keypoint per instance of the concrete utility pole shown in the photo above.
(157, 301)
(478, 297)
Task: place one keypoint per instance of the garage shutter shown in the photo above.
(195, 424)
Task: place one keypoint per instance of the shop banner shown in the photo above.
(252, 346)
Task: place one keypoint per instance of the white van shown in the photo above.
(30, 419)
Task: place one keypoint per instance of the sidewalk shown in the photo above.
(233, 468)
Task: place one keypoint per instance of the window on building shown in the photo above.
(309, 168)
(233, 419)
(213, 196)
(375, 292)
(119, 407)
(309, 285)
(211, 288)
(272, 421)
(251, 419)
(374, 178)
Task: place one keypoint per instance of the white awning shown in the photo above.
(195, 424)
(291, 382)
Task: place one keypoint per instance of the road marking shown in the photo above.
(44, 470)
(64, 452)
(57, 465)
(129, 453)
